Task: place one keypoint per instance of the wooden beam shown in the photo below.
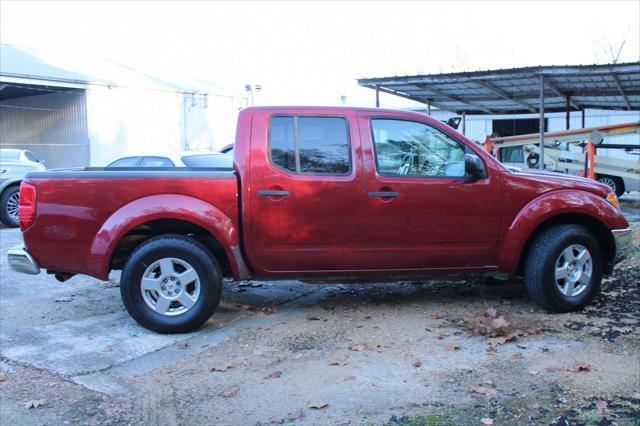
(503, 94)
(453, 98)
(554, 88)
(624, 95)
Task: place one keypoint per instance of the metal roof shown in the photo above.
(56, 68)
(517, 90)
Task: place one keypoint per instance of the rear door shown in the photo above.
(307, 201)
(423, 211)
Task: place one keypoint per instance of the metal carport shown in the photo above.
(520, 90)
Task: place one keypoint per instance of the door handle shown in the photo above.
(384, 194)
(272, 193)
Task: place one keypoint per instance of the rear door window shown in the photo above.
(310, 145)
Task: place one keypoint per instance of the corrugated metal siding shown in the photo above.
(53, 126)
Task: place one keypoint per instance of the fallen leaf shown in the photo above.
(338, 361)
(452, 346)
(108, 349)
(64, 299)
(296, 415)
(3, 377)
(350, 377)
(318, 405)
(229, 394)
(372, 345)
(274, 375)
(313, 318)
(268, 310)
(183, 345)
(622, 330)
(491, 313)
(486, 421)
(428, 328)
(517, 355)
(579, 366)
(436, 316)
(602, 405)
(222, 367)
(417, 363)
(36, 403)
(483, 390)
(500, 322)
(357, 347)
(533, 372)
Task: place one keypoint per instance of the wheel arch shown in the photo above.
(558, 207)
(156, 215)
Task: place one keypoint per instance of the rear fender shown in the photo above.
(166, 206)
(546, 207)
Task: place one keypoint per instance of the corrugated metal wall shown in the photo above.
(53, 126)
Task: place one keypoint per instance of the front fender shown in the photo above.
(166, 206)
(545, 207)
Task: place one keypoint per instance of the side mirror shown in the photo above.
(474, 166)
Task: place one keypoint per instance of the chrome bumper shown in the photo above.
(623, 238)
(21, 261)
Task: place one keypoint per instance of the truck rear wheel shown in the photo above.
(563, 269)
(171, 284)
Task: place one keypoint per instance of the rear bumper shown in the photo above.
(21, 261)
(622, 238)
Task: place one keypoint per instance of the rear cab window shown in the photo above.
(310, 145)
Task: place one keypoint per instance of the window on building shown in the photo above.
(518, 126)
(310, 145)
(409, 148)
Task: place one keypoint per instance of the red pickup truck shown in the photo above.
(321, 194)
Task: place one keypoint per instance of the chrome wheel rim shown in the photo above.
(609, 182)
(13, 210)
(574, 268)
(170, 286)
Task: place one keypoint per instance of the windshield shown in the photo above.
(208, 160)
(6, 154)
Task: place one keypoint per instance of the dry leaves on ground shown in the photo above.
(318, 405)
(499, 327)
(296, 415)
(579, 366)
(417, 363)
(338, 361)
(601, 405)
(452, 346)
(35, 403)
(483, 390)
(183, 345)
(487, 421)
(221, 367)
(274, 375)
(3, 377)
(229, 394)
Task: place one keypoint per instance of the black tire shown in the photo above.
(614, 182)
(539, 274)
(187, 250)
(5, 218)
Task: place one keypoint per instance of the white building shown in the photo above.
(73, 111)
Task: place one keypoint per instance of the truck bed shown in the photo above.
(80, 211)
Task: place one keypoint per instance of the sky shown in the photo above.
(313, 52)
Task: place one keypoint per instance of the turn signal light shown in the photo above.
(613, 200)
(27, 205)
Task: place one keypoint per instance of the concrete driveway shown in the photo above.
(289, 352)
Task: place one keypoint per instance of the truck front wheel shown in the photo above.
(171, 284)
(563, 269)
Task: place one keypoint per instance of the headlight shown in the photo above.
(613, 200)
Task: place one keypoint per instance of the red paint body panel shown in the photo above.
(328, 225)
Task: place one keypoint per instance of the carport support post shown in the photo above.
(464, 123)
(568, 112)
(377, 96)
(541, 160)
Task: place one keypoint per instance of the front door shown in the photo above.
(423, 211)
(307, 197)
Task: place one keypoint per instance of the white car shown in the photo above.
(14, 165)
(176, 159)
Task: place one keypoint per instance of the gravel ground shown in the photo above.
(415, 353)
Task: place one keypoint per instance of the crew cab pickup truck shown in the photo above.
(318, 193)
